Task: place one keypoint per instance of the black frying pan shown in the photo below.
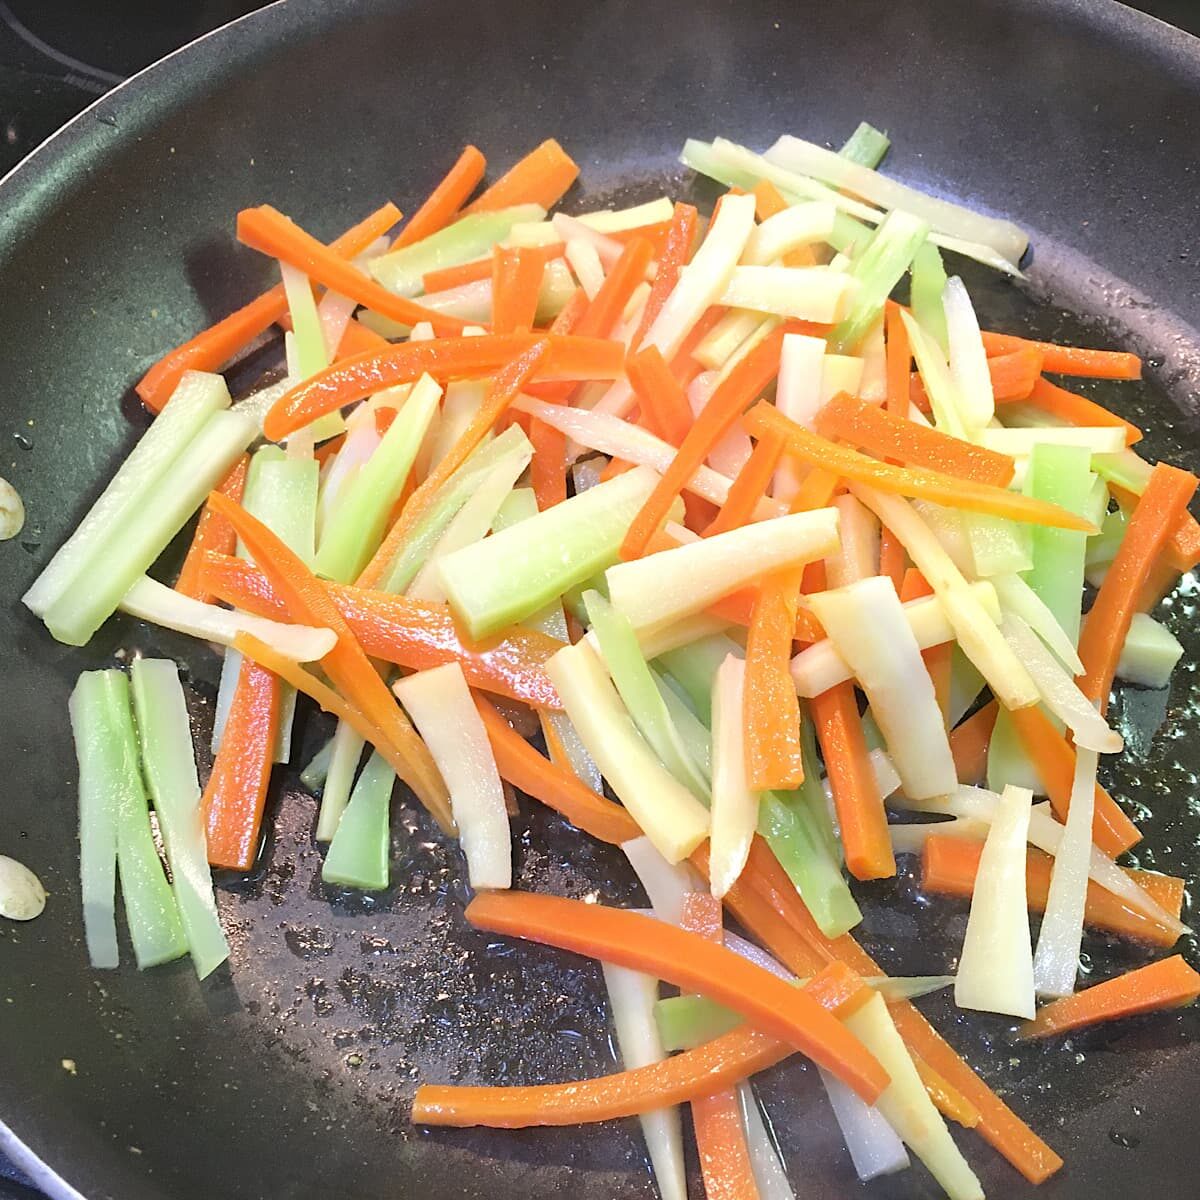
(289, 1075)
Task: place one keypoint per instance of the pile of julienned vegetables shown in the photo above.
(759, 554)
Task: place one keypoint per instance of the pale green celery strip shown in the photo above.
(358, 855)
(635, 683)
(355, 527)
(307, 334)
(1103, 547)
(197, 398)
(699, 157)
(693, 667)
(513, 574)
(169, 763)
(449, 499)
(866, 146)
(849, 236)
(878, 269)
(126, 551)
(1126, 469)
(813, 792)
(1061, 475)
(998, 546)
(928, 283)
(402, 270)
(314, 775)
(346, 751)
(965, 685)
(98, 754)
(1007, 762)
(696, 737)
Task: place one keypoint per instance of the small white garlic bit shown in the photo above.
(22, 896)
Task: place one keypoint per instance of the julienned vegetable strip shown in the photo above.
(1158, 512)
(897, 439)
(1012, 377)
(969, 744)
(346, 665)
(541, 177)
(212, 349)
(908, 481)
(1168, 983)
(641, 943)
(445, 199)
(677, 1080)
(604, 311)
(516, 282)
(213, 532)
(1077, 410)
(1069, 360)
(674, 257)
(749, 487)
(664, 406)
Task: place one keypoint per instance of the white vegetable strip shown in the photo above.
(1059, 691)
(805, 158)
(795, 226)
(1017, 597)
(571, 229)
(734, 805)
(858, 555)
(968, 359)
(731, 450)
(440, 705)
(584, 260)
(670, 816)
(820, 666)
(995, 969)
(662, 588)
(362, 440)
(662, 638)
(940, 385)
(875, 1147)
(1149, 654)
(948, 525)
(1099, 439)
(607, 220)
(152, 601)
(344, 756)
(632, 997)
(977, 633)
(807, 293)
(765, 1161)
(910, 839)
(1056, 961)
(725, 337)
(866, 622)
(797, 396)
(666, 884)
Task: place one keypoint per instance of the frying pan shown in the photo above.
(288, 1075)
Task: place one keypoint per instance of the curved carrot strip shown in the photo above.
(663, 402)
(949, 866)
(309, 602)
(1158, 512)
(267, 230)
(619, 284)
(909, 481)
(480, 268)
(729, 400)
(541, 177)
(1068, 360)
(771, 709)
(505, 388)
(445, 200)
(237, 788)
(897, 439)
(641, 943)
(215, 346)
(749, 486)
(717, 1064)
(1076, 409)
(671, 261)
(516, 282)
(213, 533)
(1169, 983)
(444, 359)
(969, 743)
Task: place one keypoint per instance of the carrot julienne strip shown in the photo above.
(627, 272)
(445, 200)
(541, 177)
(516, 282)
(664, 405)
(671, 262)
(1069, 360)
(969, 741)
(1076, 409)
(213, 533)
(445, 278)
(749, 486)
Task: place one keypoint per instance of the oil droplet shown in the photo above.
(1127, 1141)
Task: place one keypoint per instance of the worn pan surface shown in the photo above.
(289, 1075)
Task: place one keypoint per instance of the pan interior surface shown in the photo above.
(289, 1075)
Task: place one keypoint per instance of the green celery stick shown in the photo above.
(878, 269)
(358, 855)
(1007, 762)
(1102, 547)
(699, 157)
(998, 546)
(335, 793)
(127, 549)
(693, 667)
(193, 402)
(515, 573)
(308, 337)
(866, 146)
(402, 271)
(928, 283)
(635, 683)
(169, 764)
(695, 735)
(1126, 469)
(356, 525)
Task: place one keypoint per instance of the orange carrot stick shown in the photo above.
(215, 346)
(516, 282)
(969, 743)
(530, 772)
(898, 354)
(237, 788)
(671, 262)
(892, 558)
(541, 177)
(619, 284)
(729, 400)
(505, 388)
(480, 268)
(677, 1080)
(358, 339)
(445, 200)
(1069, 360)
(1169, 983)
(1076, 409)
(664, 405)
(1158, 512)
(897, 439)
(1054, 759)
(416, 634)
(267, 230)
(642, 943)
(444, 359)
(350, 670)
(907, 481)
(938, 659)
(213, 532)
(949, 1100)
(749, 486)
(949, 866)
(771, 709)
